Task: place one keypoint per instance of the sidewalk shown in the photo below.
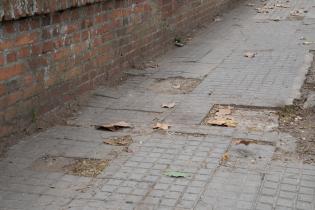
(250, 166)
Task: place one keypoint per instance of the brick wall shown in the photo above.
(54, 50)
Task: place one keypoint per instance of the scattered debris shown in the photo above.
(176, 86)
(249, 54)
(297, 13)
(250, 5)
(222, 118)
(179, 44)
(225, 157)
(225, 122)
(114, 126)
(282, 6)
(247, 142)
(308, 43)
(119, 141)
(276, 19)
(161, 126)
(244, 141)
(176, 174)
(224, 111)
(87, 167)
(170, 105)
(151, 64)
(217, 19)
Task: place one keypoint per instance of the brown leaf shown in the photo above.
(161, 126)
(119, 141)
(244, 141)
(225, 157)
(224, 122)
(224, 111)
(282, 6)
(170, 105)
(114, 126)
(217, 19)
(249, 54)
(176, 86)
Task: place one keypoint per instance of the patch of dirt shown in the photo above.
(174, 85)
(251, 156)
(249, 119)
(119, 141)
(74, 166)
(247, 142)
(86, 167)
(39, 123)
(300, 122)
(51, 164)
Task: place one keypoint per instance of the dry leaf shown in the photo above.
(308, 43)
(225, 122)
(282, 6)
(223, 111)
(225, 157)
(113, 126)
(162, 126)
(249, 54)
(170, 105)
(177, 86)
(244, 141)
(119, 141)
(217, 19)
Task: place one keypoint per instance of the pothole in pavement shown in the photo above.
(242, 118)
(248, 153)
(68, 165)
(174, 85)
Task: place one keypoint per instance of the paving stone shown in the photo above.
(135, 179)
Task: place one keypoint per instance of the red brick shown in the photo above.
(11, 71)
(2, 89)
(24, 52)
(11, 57)
(6, 44)
(1, 59)
(26, 39)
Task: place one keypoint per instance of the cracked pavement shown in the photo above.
(211, 69)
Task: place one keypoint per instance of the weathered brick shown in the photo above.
(65, 45)
(10, 71)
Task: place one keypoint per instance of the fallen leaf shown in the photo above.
(276, 19)
(282, 6)
(176, 86)
(179, 44)
(296, 13)
(161, 126)
(225, 122)
(225, 157)
(245, 142)
(176, 174)
(223, 111)
(249, 54)
(170, 105)
(308, 43)
(119, 141)
(217, 19)
(114, 126)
